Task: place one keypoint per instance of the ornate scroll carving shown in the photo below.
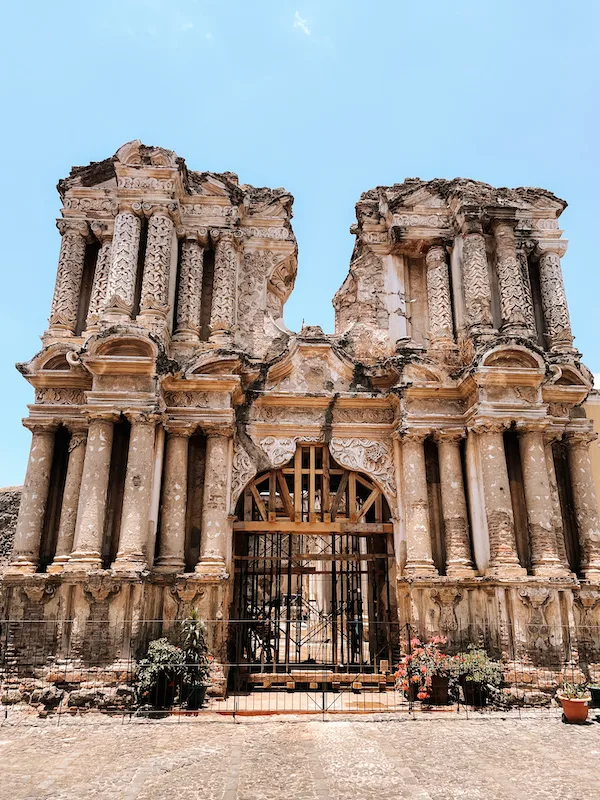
(554, 301)
(223, 302)
(438, 297)
(98, 204)
(202, 210)
(98, 295)
(447, 599)
(527, 301)
(363, 415)
(187, 591)
(252, 297)
(155, 184)
(243, 469)
(99, 588)
(587, 600)
(420, 220)
(39, 592)
(373, 457)
(279, 450)
(510, 279)
(157, 265)
(478, 295)
(60, 397)
(68, 279)
(123, 267)
(190, 290)
(279, 234)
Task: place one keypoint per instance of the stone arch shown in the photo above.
(125, 346)
(513, 357)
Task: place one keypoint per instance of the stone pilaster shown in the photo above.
(216, 525)
(65, 303)
(504, 561)
(459, 563)
(557, 520)
(222, 316)
(554, 300)
(585, 502)
(419, 559)
(120, 287)
(70, 499)
(103, 231)
(441, 330)
(154, 303)
(91, 509)
(476, 279)
(527, 300)
(137, 496)
(187, 328)
(510, 279)
(34, 499)
(538, 497)
(171, 556)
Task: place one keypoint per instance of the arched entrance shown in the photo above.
(314, 571)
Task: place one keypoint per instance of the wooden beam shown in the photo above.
(259, 502)
(325, 487)
(368, 503)
(272, 496)
(338, 495)
(298, 484)
(283, 526)
(285, 495)
(312, 517)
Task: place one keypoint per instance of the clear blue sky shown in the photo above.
(327, 99)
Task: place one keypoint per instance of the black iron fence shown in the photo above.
(66, 667)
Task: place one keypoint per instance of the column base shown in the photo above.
(420, 569)
(221, 338)
(460, 569)
(212, 567)
(510, 570)
(553, 570)
(21, 567)
(58, 565)
(83, 562)
(170, 565)
(592, 573)
(132, 562)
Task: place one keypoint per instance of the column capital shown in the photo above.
(214, 429)
(480, 426)
(41, 426)
(199, 235)
(532, 426)
(69, 225)
(544, 247)
(436, 253)
(235, 237)
(141, 417)
(453, 435)
(509, 223)
(131, 207)
(580, 438)
(180, 429)
(103, 230)
(101, 414)
(414, 435)
(169, 209)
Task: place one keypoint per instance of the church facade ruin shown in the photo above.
(426, 463)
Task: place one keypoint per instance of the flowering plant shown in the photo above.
(420, 664)
(475, 665)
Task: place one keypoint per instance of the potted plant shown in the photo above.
(424, 672)
(574, 698)
(477, 675)
(595, 695)
(197, 661)
(158, 674)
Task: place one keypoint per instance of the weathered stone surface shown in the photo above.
(10, 498)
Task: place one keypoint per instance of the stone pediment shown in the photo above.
(312, 366)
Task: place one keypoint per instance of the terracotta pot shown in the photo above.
(574, 710)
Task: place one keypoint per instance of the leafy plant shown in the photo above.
(195, 650)
(163, 664)
(475, 665)
(574, 691)
(417, 667)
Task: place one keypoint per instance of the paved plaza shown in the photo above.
(439, 758)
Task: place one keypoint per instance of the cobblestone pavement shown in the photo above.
(441, 759)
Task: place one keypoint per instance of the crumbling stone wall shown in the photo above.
(10, 498)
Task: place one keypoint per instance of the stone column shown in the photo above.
(554, 299)
(65, 303)
(70, 499)
(34, 498)
(441, 330)
(154, 303)
(557, 521)
(459, 563)
(584, 500)
(122, 273)
(103, 231)
(504, 561)
(171, 557)
(222, 316)
(216, 525)
(476, 280)
(91, 508)
(187, 328)
(538, 497)
(137, 496)
(510, 279)
(419, 560)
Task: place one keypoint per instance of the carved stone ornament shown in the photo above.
(420, 220)
(99, 588)
(446, 599)
(536, 599)
(587, 600)
(375, 458)
(188, 591)
(279, 450)
(39, 592)
(243, 469)
(223, 302)
(124, 262)
(70, 269)
(478, 294)
(67, 397)
(157, 264)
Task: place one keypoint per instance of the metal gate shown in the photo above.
(314, 567)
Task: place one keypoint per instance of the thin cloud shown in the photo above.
(301, 23)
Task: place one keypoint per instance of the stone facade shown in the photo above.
(167, 382)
